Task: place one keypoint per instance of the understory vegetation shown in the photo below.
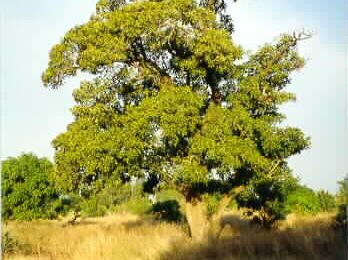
(126, 223)
(113, 223)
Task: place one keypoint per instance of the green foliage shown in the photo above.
(170, 194)
(93, 207)
(136, 205)
(212, 202)
(175, 97)
(303, 200)
(268, 196)
(326, 200)
(118, 193)
(116, 197)
(124, 198)
(28, 190)
(342, 201)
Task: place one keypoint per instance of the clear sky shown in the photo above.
(31, 116)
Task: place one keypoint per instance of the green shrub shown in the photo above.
(137, 205)
(304, 201)
(170, 194)
(118, 197)
(93, 207)
(28, 190)
(121, 193)
(65, 204)
(212, 201)
(264, 198)
(127, 197)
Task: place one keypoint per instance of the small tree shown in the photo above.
(342, 200)
(177, 101)
(27, 190)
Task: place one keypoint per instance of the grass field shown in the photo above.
(127, 236)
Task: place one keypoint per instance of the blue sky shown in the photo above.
(31, 116)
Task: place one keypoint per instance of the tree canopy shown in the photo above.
(27, 189)
(175, 100)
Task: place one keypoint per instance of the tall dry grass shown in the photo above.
(299, 238)
(112, 237)
(132, 237)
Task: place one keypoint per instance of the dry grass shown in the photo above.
(297, 238)
(112, 237)
(129, 237)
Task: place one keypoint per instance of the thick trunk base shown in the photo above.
(197, 220)
(203, 229)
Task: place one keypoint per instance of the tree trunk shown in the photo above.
(202, 229)
(216, 227)
(196, 215)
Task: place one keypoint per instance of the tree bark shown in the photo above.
(202, 229)
(215, 227)
(196, 215)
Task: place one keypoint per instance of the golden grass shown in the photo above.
(112, 237)
(131, 237)
(297, 238)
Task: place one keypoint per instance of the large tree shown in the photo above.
(175, 100)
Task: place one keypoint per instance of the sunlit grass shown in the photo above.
(126, 236)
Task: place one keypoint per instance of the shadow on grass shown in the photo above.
(310, 241)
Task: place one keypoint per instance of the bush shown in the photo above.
(28, 190)
(115, 197)
(304, 201)
(127, 197)
(137, 205)
(93, 207)
(65, 204)
(170, 194)
(264, 198)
